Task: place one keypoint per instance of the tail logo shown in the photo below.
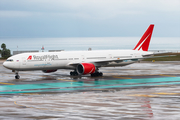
(143, 43)
(29, 58)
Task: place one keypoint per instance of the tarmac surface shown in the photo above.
(143, 90)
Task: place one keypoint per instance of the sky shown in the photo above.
(88, 18)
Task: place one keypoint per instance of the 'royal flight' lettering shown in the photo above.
(43, 57)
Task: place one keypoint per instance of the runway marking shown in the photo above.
(121, 77)
(83, 85)
(6, 83)
(31, 93)
(166, 93)
(18, 104)
(161, 85)
(173, 106)
(36, 108)
(167, 75)
(66, 80)
(104, 89)
(141, 95)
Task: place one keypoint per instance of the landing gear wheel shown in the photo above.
(97, 74)
(73, 73)
(100, 74)
(17, 77)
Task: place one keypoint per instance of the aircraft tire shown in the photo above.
(73, 73)
(97, 74)
(17, 77)
(100, 74)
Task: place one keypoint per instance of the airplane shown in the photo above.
(81, 62)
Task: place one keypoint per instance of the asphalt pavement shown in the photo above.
(138, 91)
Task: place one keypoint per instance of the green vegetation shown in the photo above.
(171, 58)
(5, 53)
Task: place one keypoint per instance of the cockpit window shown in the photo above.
(9, 60)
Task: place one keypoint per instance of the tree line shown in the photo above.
(5, 53)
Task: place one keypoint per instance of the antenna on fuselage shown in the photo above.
(42, 48)
(89, 49)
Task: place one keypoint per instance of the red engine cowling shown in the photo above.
(85, 68)
(49, 71)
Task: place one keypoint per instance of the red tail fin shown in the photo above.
(143, 43)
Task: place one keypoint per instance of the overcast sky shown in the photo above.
(88, 18)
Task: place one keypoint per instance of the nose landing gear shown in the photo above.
(17, 75)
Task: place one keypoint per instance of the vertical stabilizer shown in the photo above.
(143, 43)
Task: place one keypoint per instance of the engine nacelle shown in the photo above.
(49, 71)
(85, 68)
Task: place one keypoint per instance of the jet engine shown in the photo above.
(85, 68)
(49, 71)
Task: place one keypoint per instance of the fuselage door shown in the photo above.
(47, 62)
(136, 55)
(17, 63)
(23, 61)
(110, 56)
(83, 58)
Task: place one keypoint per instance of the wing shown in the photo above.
(118, 60)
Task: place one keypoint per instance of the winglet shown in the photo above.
(143, 43)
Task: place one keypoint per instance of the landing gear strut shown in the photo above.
(73, 73)
(17, 75)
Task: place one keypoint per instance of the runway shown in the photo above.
(64, 85)
(138, 91)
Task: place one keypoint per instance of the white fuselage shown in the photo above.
(82, 62)
(68, 59)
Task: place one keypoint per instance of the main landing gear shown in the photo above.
(73, 73)
(17, 75)
(96, 74)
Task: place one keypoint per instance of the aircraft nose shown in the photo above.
(5, 64)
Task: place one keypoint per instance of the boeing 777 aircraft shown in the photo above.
(81, 62)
